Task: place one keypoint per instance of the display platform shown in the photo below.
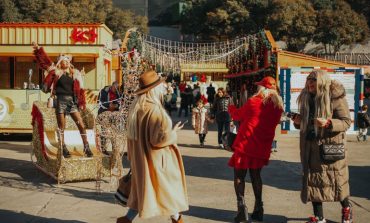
(47, 156)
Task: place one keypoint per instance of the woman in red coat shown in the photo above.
(258, 119)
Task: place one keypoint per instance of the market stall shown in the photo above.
(21, 78)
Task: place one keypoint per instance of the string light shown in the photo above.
(149, 52)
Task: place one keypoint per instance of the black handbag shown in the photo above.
(332, 152)
(228, 139)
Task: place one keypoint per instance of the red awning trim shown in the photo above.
(245, 73)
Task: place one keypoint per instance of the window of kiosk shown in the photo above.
(4, 72)
(89, 64)
(26, 73)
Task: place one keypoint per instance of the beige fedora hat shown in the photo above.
(149, 80)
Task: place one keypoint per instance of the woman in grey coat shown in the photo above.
(323, 117)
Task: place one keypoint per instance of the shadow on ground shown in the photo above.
(24, 175)
(187, 126)
(16, 137)
(279, 174)
(226, 215)
(306, 219)
(18, 148)
(196, 146)
(15, 217)
(359, 178)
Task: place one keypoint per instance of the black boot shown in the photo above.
(87, 150)
(257, 214)
(242, 215)
(66, 153)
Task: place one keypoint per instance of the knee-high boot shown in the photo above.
(242, 215)
(258, 211)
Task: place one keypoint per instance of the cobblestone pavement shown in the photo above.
(27, 195)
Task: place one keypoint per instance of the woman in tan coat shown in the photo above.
(158, 184)
(323, 117)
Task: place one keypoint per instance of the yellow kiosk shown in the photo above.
(21, 78)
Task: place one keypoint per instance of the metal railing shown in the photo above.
(348, 58)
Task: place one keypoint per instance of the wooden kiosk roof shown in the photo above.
(291, 59)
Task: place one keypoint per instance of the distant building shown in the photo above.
(163, 15)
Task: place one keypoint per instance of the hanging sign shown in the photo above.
(84, 36)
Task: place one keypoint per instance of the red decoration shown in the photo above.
(204, 99)
(203, 78)
(37, 118)
(78, 35)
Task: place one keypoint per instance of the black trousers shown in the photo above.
(202, 138)
(185, 109)
(220, 127)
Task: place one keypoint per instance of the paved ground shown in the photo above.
(27, 195)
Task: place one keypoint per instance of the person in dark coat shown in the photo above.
(109, 98)
(186, 97)
(363, 122)
(211, 94)
(221, 113)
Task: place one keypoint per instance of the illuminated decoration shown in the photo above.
(79, 35)
(166, 57)
(112, 125)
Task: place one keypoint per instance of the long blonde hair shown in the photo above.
(270, 94)
(154, 95)
(322, 99)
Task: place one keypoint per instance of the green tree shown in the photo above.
(54, 12)
(229, 20)
(361, 7)
(9, 12)
(340, 25)
(193, 17)
(30, 9)
(323, 4)
(258, 12)
(86, 11)
(215, 19)
(121, 20)
(293, 21)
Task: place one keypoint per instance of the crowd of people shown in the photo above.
(158, 185)
(158, 180)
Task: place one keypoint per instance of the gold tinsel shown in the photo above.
(77, 167)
